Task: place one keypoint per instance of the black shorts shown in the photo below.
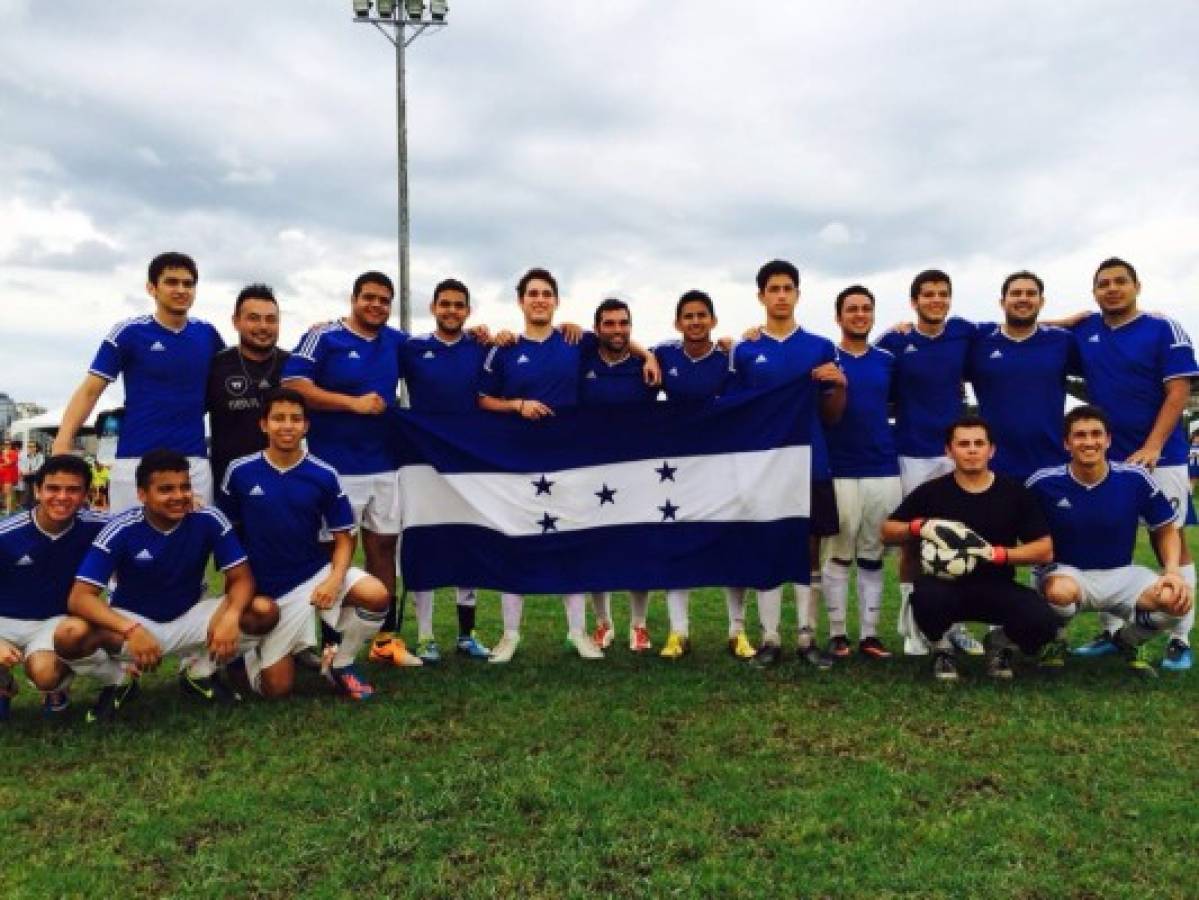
(824, 520)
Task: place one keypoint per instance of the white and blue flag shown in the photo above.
(632, 497)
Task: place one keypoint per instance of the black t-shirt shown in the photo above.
(236, 386)
(1005, 514)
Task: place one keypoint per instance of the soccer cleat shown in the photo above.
(210, 689)
(1053, 655)
(838, 646)
(111, 700)
(603, 635)
(945, 667)
(639, 641)
(873, 648)
(964, 641)
(767, 657)
(1137, 658)
(1178, 656)
(584, 645)
(740, 646)
(428, 652)
(349, 681)
(1101, 645)
(677, 646)
(815, 657)
(55, 703)
(999, 664)
(381, 647)
(470, 646)
(505, 649)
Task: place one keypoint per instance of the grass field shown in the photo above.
(555, 777)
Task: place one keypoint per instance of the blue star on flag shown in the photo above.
(606, 495)
(543, 485)
(548, 523)
(668, 511)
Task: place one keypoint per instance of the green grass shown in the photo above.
(555, 777)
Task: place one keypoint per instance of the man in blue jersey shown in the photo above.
(40, 550)
(781, 353)
(1139, 370)
(865, 471)
(159, 552)
(696, 369)
(442, 371)
(1193, 461)
(930, 364)
(281, 496)
(532, 378)
(1093, 507)
(349, 374)
(164, 359)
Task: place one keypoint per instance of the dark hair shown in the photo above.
(255, 291)
(536, 275)
(777, 267)
(1017, 276)
(1113, 262)
(1085, 412)
(373, 277)
(451, 284)
(694, 297)
(282, 395)
(849, 292)
(929, 276)
(611, 305)
(969, 420)
(159, 461)
(64, 462)
(171, 260)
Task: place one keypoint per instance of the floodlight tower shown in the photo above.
(402, 22)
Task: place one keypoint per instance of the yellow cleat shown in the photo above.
(381, 647)
(390, 648)
(677, 646)
(740, 646)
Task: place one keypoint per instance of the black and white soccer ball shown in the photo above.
(946, 563)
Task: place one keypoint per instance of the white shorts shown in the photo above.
(1112, 591)
(863, 504)
(28, 635)
(1175, 483)
(296, 629)
(375, 500)
(915, 470)
(187, 634)
(122, 483)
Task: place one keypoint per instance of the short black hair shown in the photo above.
(451, 284)
(611, 305)
(694, 296)
(1113, 262)
(839, 303)
(160, 460)
(536, 274)
(1086, 412)
(64, 462)
(777, 267)
(929, 276)
(172, 259)
(1022, 274)
(373, 277)
(255, 291)
(282, 395)
(969, 420)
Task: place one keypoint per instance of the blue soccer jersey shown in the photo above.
(160, 575)
(1095, 526)
(166, 377)
(547, 371)
(928, 385)
(603, 383)
(1021, 390)
(280, 512)
(337, 359)
(768, 361)
(443, 377)
(862, 444)
(684, 378)
(37, 569)
(1126, 369)
(1193, 462)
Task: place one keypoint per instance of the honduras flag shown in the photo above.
(658, 495)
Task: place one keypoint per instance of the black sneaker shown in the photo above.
(999, 664)
(112, 699)
(815, 657)
(767, 657)
(838, 646)
(212, 689)
(945, 667)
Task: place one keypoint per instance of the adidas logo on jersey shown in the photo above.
(1093, 339)
(761, 359)
(910, 348)
(591, 375)
(25, 560)
(157, 346)
(521, 360)
(353, 354)
(144, 555)
(997, 354)
(1065, 503)
(673, 371)
(428, 355)
(257, 491)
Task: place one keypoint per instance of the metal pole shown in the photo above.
(402, 141)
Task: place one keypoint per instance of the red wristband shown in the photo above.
(999, 555)
(914, 526)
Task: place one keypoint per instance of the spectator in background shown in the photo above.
(31, 460)
(9, 457)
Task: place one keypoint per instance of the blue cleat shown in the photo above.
(1179, 657)
(1102, 645)
(470, 646)
(55, 703)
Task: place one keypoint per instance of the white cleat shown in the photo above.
(585, 646)
(505, 649)
(966, 642)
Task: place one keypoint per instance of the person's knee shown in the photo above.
(260, 616)
(1062, 591)
(71, 638)
(44, 670)
(370, 594)
(277, 681)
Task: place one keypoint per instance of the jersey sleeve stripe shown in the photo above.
(237, 562)
(87, 580)
(240, 461)
(121, 522)
(215, 513)
(103, 375)
(308, 346)
(1041, 474)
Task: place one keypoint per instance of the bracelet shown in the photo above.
(132, 628)
(914, 526)
(999, 555)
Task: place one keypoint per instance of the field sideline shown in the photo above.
(632, 777)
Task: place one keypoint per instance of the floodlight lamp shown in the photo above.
(387, 8)
(362, 8)
(416, 9)
(438, 9)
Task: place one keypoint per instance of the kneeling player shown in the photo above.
(40, 551)
(281, 496)
(1093, 508)
(159, 553)
(1003, 523)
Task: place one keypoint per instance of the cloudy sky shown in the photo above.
(636, 148)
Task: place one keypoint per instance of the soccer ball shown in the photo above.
(946, 563)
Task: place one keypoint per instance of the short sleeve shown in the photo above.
(915, 505)
(1178, 359)
(1153, 505)
(107, 361)
(335, 507)
(97, 567)
(303, 360)
(227, 551)
(230, 499)
(1032, 523)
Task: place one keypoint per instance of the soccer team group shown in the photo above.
(301, 464)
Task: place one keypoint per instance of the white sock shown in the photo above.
(576, 612)
(803, 612)
(357, 626)
(638, 608)
(1109, 623)
(100, 666)
(422, 602)
(770, 613)
(905, 625)
(836, 595)
(601, 607)
(677, 602)
(1182, 631)
(512, 608)
(815, 600)
(870, 600)
(734, 598)
(199, 666)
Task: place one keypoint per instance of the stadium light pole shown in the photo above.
(402, 22)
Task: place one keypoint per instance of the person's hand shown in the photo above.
(146, 651)
(369, 405)
(902, 328)
(504, 338)
(533, 409)
(1148, 456)
(651, 371)
(324, 595)
(319, 325)
(9, 655)
(571, 333)
(223, 632)
(725, 344)
(752, 334)
(480, 333)
(1172, 594)
(829, 373)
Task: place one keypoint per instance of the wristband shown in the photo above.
(132, 628)
(914, 526)
(999, 555)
